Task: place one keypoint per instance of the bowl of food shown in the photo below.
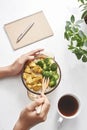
(34, 72)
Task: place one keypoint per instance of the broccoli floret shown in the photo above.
(46, 73)
(50, 74)
(40, 63)
(56, 76)
(46, 67)
(52, 82)
(48, 61)
(53, 66)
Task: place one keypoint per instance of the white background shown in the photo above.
(13, 96)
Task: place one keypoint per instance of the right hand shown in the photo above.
(29, 117)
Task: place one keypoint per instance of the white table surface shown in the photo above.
(13, 97)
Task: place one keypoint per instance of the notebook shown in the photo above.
(40, 30)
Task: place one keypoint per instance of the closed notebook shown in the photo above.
(40, 30)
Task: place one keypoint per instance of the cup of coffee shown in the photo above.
(68, 107)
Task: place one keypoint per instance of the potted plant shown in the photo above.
(83, 5)
(77, 38)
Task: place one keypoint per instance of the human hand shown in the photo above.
(29, 117)
(17, 66)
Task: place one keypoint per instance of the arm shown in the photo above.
(17, 66)
(29, 117)
(5, 71)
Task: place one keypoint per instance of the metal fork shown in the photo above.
(45, 83)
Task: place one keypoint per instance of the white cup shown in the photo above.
(68, 107)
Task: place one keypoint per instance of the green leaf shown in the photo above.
(72, 42)
(70, 47)
(78, 53)
(73, 38)
(84, 58)
(68, 23)
(78, 56)
(72, 19)
(66, 36)
(84, 51)
(82, 35)
(67, 28)
(77, 37)
(85, 43)
(82, 1)
(75, 29)
(70, 33)
(80, 44)
(79, 22)
(84, 14)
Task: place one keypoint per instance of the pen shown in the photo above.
(24, 32)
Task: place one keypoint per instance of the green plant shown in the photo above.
(77, 38)
(84, 8)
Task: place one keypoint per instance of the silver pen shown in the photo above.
(24, 32)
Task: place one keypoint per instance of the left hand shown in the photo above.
(17, 66)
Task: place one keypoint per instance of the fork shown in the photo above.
(45, 83)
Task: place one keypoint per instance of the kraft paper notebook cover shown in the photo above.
(40, 30)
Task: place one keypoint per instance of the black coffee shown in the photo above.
(68, 105)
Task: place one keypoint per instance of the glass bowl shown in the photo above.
(27, 73)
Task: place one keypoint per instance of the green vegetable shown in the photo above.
(52, 82)
(51, 73)
(53, 66)
(46, 73)
(46, 67)
(40, 63)
(49, 70)
(56, 76)
(48, 61)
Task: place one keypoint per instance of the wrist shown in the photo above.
(20, 126)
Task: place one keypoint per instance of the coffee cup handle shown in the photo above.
(59, 121)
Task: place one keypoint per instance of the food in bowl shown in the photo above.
(34, 71)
